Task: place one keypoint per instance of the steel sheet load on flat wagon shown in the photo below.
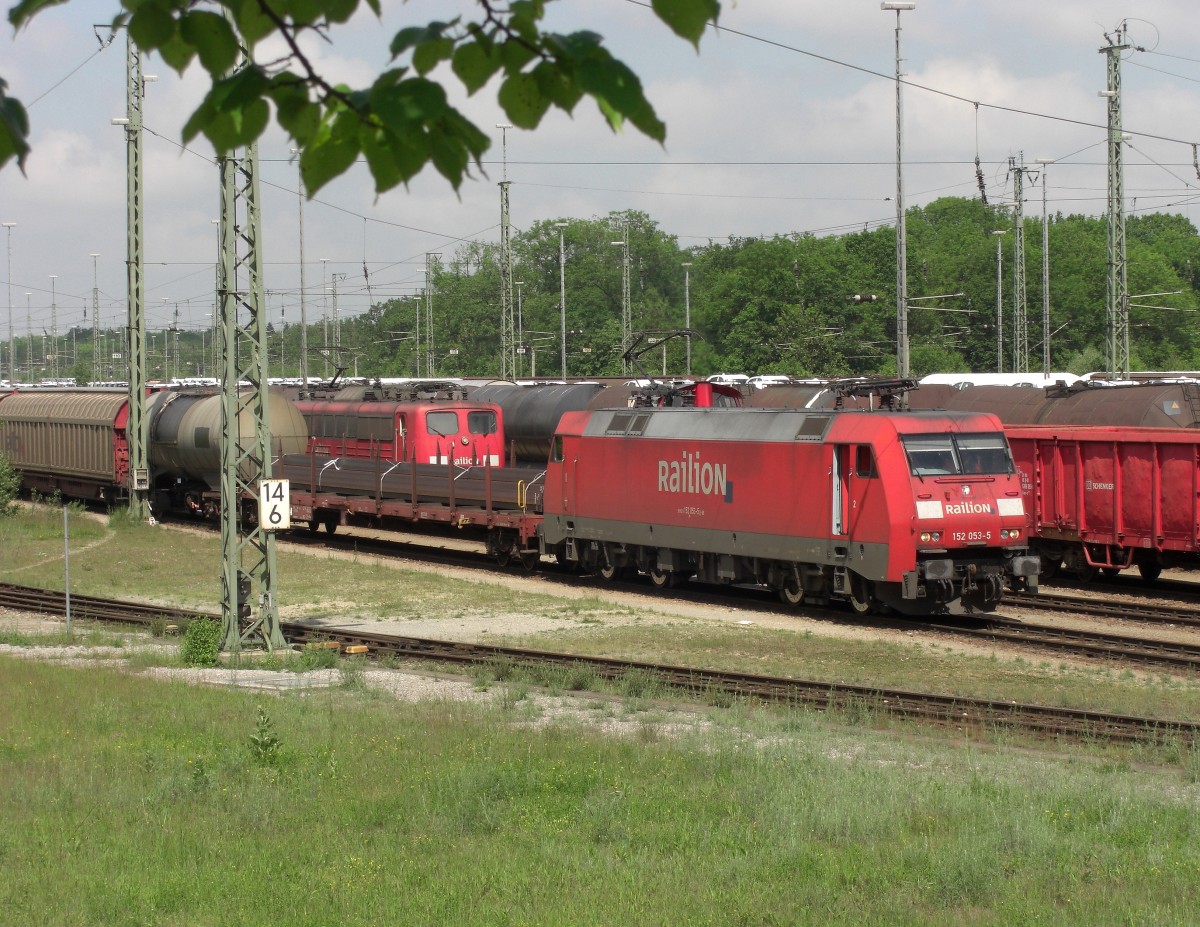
(508, 488)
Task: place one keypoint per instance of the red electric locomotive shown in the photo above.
(920, 512)
(422, 431)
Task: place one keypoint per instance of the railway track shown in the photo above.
(1141, 651)
(960, 713)
(1182, 614)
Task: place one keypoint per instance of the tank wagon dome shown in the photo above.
(185, 433)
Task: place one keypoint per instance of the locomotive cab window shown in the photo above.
(931, 455)
(556, 449)
(984, 453)
(942, 455)
(443, 424)
(481, 423)
(864, 462)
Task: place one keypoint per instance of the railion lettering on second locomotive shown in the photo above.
(691, 475)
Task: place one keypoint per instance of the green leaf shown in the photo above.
(381, 158)
(338, 11)
(557, 86)
(415, 36)
(14, 130)
(201, 117)
(253, 25)
(619, 93)
(475, 64)
(687, 18)
(177, 53)
(449, 156)
(301, 12)
(328, 156)
(24, 11)
(429, 55)
(235, 127)
(151, 25)
(515, 55)
(296, 114)
(214, 40)
(415, 100)
(523, 100)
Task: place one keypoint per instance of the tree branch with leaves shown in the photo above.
(403, 121)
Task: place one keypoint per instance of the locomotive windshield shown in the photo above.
(949, 454)
(481, 423)
(443, 424)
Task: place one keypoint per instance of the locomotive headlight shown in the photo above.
(930, 536)
(1010, 534)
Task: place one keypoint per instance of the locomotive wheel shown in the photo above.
(331, 524)
(662, 579)
(861, 599)
(530, 560)
(790, 592)
(609, 572)
(1149, 571)
(1084, 573)
(503, 557)
(1110, 572)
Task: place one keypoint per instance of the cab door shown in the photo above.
(840, 490)
(860, 481)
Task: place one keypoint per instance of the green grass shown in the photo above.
(181, 569)
(121, 559)
(129, 802)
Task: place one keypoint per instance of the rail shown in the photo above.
(958, 712)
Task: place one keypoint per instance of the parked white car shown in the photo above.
(769, 379)
(729, 379)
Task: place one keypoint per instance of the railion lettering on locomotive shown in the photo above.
(969, 508)
(692, 475)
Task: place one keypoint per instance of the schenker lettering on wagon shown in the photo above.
(690, 474)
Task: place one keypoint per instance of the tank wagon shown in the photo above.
(917, 512)
(1167, 404)
(432, 431)
(185, 446)
(1134, 405)
(1104, 498)
(531, 412)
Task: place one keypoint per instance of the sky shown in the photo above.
(783, 122)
